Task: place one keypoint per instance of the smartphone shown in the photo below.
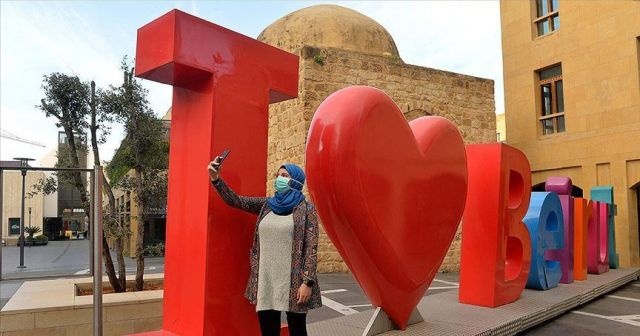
(223, 156)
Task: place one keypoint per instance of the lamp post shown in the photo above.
(30, 226)
(24, 163)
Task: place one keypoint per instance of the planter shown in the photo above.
(53, 307)
(149, 284)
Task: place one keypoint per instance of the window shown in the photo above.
(62, 138)
(14, 226)
(551, 100)
(547, 18)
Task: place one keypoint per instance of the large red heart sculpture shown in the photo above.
(390, 194)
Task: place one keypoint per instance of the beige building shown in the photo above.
(339, 47)
(129, 213)
(572, 98)
(11, 202)
(501, 128)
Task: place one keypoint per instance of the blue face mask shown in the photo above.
(281, 184)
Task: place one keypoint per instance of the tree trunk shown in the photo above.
(122, 273)
(75, 163)
(139, 283)
(119, 284)
(140, 238)
(106, 254)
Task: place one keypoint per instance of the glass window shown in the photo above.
(556, 23)
(542, 7)
(546, 100)
(547, 125)
(561, 124)
(543, 28)
(14, 226)
(559, 97)
(550, 72)
(551, 103)
(547, 17)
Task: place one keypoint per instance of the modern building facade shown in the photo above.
(11, 202)
(59, 214)
(572, 98)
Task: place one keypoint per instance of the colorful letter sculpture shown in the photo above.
(390, 194)
(545, 223)
(496, 249)
(563, 186)
(220, 79)
(582, 215)
(597, 249)
(605, 194)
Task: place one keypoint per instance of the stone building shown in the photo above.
(129, 214)
(572, 95)
(339, 47)
(11, 202)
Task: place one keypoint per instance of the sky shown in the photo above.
(89, 39)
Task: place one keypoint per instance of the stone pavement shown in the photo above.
(55, 260)
(444, 315)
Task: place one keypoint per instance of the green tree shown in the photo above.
(75, 106)
(46, 186)
(144, 149)
(66, 99)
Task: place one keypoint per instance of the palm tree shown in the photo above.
(31, 230)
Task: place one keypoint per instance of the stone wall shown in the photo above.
(465, 100)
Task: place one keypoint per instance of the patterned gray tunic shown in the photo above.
(274, 267)
(304, 250)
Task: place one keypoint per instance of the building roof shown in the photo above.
(329, 26)
(11, 164)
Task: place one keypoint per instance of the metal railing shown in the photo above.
(95, 234)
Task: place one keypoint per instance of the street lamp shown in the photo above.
(30, 226)
(24, 163)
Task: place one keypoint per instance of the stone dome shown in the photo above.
(329, 26)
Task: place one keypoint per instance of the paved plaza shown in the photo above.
(617, 313)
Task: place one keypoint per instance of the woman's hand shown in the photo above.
(214, 169)
(304, 293)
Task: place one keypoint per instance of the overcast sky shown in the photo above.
(89, 38)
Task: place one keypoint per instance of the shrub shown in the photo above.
(319, 58)
(41, 238)
(154, 250)
(37, 240)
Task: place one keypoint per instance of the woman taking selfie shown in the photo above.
(284, 252)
